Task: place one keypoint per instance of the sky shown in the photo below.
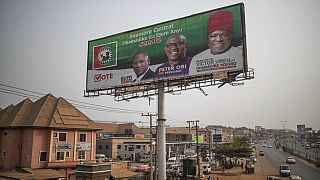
(43, 49)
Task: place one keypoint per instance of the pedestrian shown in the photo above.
(242, 165)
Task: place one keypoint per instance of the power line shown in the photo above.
(76, 103)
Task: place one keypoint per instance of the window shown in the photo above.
(131, 148)
(100, 146)
(62, 136)
(107, 146)
(4, 154)
(60, 156)
(67, 154)
(83, 138)
(81, 154)
(125, 147)
(144, 147)
(119, 146)
(43, 156)
(5, 133)
(55, 135)
(138, 146)
(128, 131)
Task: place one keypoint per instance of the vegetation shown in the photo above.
(238, 149)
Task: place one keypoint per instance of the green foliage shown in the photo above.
(238, 149)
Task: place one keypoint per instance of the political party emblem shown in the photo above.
(105, 55)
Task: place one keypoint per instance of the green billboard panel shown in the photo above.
(210, 42)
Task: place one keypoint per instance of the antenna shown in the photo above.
(283, 124)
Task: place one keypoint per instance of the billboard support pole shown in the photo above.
(161, 132)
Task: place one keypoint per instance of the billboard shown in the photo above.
(217, 138)
(301, 131)
(210, 42)
(200, 138)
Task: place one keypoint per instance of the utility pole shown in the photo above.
(190, 139)
(151, 148)
(197, 140)
(198, 160)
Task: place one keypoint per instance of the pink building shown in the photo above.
(47, 133)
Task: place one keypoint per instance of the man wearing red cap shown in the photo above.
(221, 55)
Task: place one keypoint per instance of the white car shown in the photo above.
(284, 170)
(291, 160)
(269, 146)
(294, 177)
(264, 145)
(206, 168)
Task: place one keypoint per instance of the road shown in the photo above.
(312, 152)
(301, 168)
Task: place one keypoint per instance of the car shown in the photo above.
(294, 177)
(261, 153)
(269, 146)
(173, 168)
(252, 159)
(284, 170)
(273, 178)
(264, 145)
(206, 169)
(291, 160)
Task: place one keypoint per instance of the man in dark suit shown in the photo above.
(140, 64)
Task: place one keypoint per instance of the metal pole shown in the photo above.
(198, 160)
(151, 146)
(189, 134)
(292, 143)
(162, 133)
(317, 162)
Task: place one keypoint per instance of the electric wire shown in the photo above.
(79, 104)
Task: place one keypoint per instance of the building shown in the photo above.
(122, 141)
(47, 133)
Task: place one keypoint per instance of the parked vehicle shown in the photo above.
(206, 168)
(261, 153)
(291, 160)
(284, 170)
(102, 158)
(172, 161)
(294, 177)
(174, 169)
(253, 159)
(273, 178)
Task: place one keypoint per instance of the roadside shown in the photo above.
(263, 168)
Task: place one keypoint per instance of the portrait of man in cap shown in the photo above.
(220, 49)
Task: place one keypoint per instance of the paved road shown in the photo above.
(301, 168)
(312, 152)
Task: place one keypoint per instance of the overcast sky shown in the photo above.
(43, 48)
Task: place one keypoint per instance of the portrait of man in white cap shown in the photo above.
(220, 54)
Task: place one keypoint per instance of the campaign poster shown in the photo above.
(210, 42)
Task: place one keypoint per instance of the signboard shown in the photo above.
(216, 138)
(187, 47)
(191, 151)
(83, 146)
(301, 130)
(63, 147)
(200, 139)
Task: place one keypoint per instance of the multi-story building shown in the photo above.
(122, 141)
(47, 133)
